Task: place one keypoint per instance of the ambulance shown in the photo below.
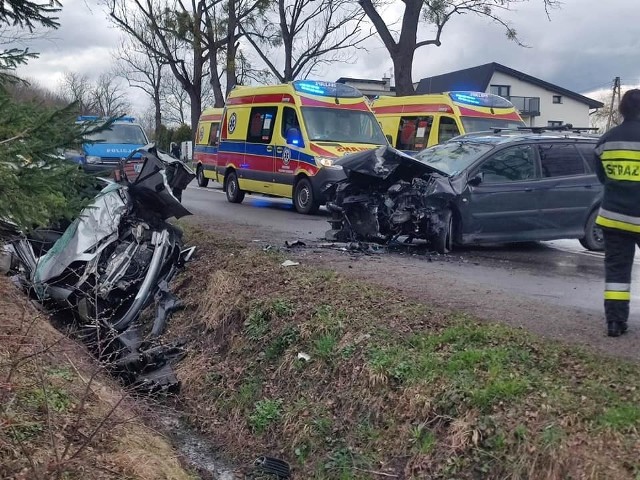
(282, 140)
(419, 121)
(205, 151)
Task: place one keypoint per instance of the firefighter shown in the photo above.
(618, 168)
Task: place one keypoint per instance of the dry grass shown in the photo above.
(392, 388)
(60, 417)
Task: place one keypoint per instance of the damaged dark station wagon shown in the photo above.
(488, 187)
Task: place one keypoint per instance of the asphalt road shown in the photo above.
(558, 273)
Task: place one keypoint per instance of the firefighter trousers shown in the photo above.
(619, 249)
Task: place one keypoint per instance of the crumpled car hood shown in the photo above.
(385, 163)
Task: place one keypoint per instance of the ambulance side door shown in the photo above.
(257, 171)
(285, 160)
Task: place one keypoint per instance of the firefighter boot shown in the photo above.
(617, 313)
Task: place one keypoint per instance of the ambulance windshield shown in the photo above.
(341, 125)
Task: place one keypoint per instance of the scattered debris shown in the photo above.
(304, 356)
(273, 466)
(289, 263)
(297, 243)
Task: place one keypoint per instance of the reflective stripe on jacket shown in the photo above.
(618, 168)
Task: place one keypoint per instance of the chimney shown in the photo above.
(387, 83)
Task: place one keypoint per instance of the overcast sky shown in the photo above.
(583, 47)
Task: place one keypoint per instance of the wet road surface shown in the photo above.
(560, 273)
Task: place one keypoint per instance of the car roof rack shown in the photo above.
(567, 127)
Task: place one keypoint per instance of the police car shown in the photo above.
(102, 151)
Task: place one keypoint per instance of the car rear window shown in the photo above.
(561, 160)
(586, 149)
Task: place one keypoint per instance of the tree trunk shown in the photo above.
(402, 70)
(216, 85)
(232, 26)
(196, 108)
(158, 114)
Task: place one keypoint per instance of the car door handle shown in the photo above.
(279, 150)
(528, 189)
(269, 149)
(588, 186)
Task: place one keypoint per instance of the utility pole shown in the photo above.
(616, 91)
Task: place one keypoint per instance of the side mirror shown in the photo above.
(476, 179)
(294, 137)
(389, 139)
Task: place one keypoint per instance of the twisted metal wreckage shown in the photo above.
(385, 194)
(110, 264)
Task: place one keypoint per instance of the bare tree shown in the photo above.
(109, 98)
(437, 14)
(30, 90)
(310, 33)
(143, 70)
(171, 31)
(175, 101)
(76, 87)
(222, 31)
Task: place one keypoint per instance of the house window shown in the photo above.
(557, 99)
(554, 123)
(501, 90)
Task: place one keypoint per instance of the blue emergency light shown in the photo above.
(480, 99)
(310, 87)
(326, 89)
(87, 118)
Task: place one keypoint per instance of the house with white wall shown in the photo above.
(540, 103)
(369, 87)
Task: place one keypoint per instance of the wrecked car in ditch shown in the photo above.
(483, 188)
(112, 262)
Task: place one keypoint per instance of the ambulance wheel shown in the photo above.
(443, 242)
(593, 237)
(202, 180)
(303, 200)
(232, 189)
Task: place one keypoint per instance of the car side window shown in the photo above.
(587, 152)
(261, 123)
(447, 129)
(512, 164)
(213, 134)
(560, 160)
(413, 132)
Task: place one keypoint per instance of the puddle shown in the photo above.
(196, 449)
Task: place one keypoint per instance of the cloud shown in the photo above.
(583, 47)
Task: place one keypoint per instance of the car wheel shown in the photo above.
(593, 237)
(303, 200)
(443, 242)
(202, 180)
(232, 189)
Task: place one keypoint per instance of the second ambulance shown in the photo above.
(274, 140)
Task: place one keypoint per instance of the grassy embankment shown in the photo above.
(60, 417)
(392, 388)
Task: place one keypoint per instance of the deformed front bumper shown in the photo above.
(324, 179)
